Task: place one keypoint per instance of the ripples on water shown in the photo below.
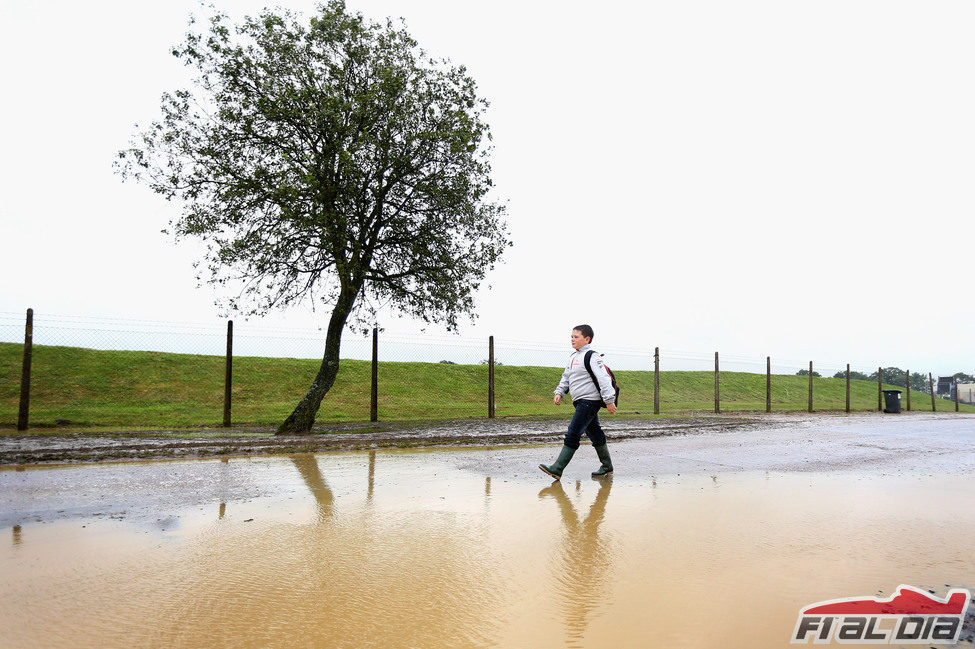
(351, 551)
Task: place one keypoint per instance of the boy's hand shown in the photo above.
(611, 407)
(558, 399)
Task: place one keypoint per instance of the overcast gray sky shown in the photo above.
(756, 177)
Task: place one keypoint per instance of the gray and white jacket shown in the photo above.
(576, 380)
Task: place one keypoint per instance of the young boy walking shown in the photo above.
(587, 397)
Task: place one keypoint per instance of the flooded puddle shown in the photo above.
(425, 549)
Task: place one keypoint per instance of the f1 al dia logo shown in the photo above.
(910, 616)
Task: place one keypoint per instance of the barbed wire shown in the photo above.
(276, 362)
(108, 332)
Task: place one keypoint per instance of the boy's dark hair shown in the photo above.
(585, 330)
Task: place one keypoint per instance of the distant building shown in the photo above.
(945, 385)
(966, 392)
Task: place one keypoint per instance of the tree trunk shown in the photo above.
(301, 420)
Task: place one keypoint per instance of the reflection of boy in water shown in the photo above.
(588, 398)
(585, 555)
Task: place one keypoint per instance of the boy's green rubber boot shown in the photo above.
(607, 464)
(557, 467)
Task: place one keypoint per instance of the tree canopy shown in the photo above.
(327, 160)
(892, 376)
(854, 375)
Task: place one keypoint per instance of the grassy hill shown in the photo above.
(133, 389)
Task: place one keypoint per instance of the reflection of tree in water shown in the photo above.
(307, 466)
(584, 559)
(368, 574)
(380, 573)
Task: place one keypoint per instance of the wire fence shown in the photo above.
(98, 372)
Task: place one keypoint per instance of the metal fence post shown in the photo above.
(23, 417)
(880, 389)
(717, 389)
(490, 377)
(228, 374)
(908, 390)
(848, 387)
(931, 383)
(810, 386)
(656, 380)
(374, 392)
(768, 384)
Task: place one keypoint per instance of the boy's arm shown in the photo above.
(562, 387)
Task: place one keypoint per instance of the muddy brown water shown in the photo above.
(703, 541)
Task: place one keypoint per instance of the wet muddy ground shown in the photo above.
(716, 537)
(44, 448)
(56, 448)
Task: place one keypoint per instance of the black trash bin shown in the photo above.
(892, 400)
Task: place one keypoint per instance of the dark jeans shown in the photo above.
(585, 420)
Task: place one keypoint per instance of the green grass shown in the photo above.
(134, 390)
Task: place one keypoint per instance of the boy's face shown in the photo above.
(578, 341)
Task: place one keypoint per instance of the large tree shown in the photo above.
(327, 160)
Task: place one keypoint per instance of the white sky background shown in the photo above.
(776, 177)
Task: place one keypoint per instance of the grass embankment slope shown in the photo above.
(130, 389)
